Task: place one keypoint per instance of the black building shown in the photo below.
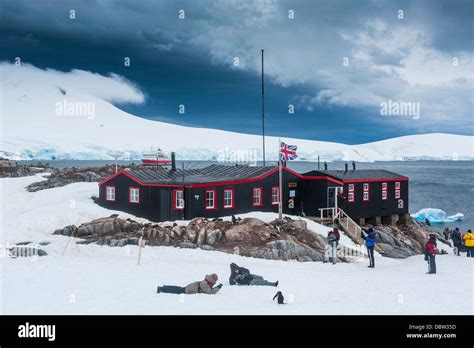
(223, 190)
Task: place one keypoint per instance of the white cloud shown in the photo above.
(113, 88)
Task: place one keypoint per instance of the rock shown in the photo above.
(238, 232)
(385, 247)
(113, 242)
(178, 230)
(44, 243)
(84, 230)
(212, 236)
(253, 222)
(187, 245)
(88, 241)
(206, 247)
(133, 241)
(122, 242)
(201, 237)
(398, 253)
(304, 259)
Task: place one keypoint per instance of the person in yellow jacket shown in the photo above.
(469, 243)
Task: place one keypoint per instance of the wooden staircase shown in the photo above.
(346, 224)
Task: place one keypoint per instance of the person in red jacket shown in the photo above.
(430, 254)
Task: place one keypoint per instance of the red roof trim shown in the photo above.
(243, 181)
(376, 180)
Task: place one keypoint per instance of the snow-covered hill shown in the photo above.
(37, 122)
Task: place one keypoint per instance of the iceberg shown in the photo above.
(434, 215)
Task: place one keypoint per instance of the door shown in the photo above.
(333, 191)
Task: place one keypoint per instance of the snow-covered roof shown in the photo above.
(212, 173)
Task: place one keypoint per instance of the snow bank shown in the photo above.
(436, 216)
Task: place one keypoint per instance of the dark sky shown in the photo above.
(190, 61)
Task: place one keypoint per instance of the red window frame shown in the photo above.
(384, 186)
(350, 196)
(231, 190)
(366, 190)
(130, 195)
(214, 198)
(260, 189)
(107, 195)
(278, 195)
(350, 187)
(175, 199)
(397, 185)
(384, 195)
(397, 194)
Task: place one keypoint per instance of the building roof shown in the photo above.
(212, 173)
(362, 174)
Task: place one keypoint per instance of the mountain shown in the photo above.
(45, 116)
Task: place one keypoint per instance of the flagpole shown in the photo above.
(280, 190)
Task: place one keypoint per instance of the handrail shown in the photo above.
(352, 228)
(330, 209)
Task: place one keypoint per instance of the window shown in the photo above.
(228, 198)
(257, 197)
(384, 194)
(211, 199)
(397, 185)
(384, 186)
(351, 187)
(275, 195)
(366, 192)
(178, 199)
(397, 194)
(350, 197)
(134, 195)
(366, 195)
(110, 193)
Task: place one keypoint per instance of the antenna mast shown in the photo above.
(263, 112)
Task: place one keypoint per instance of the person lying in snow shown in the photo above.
(205, 286)
(242, 276)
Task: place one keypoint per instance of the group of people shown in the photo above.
(242, 276)
(462, 242)
(238, 276)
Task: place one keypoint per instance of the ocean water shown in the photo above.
(446, 185)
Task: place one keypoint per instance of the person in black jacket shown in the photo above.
(242, 276)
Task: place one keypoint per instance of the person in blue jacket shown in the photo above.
(369, 237)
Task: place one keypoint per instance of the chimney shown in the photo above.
(353, 165)
(346, 167)
(173, 161)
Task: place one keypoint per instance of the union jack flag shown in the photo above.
(287, 152)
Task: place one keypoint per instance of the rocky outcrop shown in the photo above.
(404, 240)
(279, 240)
(11, 169)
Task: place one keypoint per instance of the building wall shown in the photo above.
(156, 203)
(243, 197)
(376, 206)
